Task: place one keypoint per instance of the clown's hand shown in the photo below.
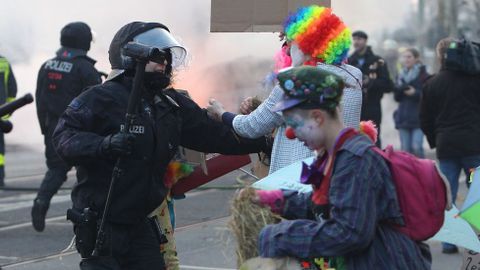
(246, 106)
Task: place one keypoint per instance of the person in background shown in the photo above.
(450, 119)
(408, 92)
(376, 79)
(8, 92)
(59, 81)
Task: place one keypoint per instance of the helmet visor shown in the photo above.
(162, 39)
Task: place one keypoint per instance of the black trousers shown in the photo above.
(57, 169)
(127, 247)
(2, 159)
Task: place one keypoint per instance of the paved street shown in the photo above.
(202, 238)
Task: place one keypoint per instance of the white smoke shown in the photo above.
(30, 32)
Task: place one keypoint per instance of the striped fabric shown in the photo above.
(285, 151)
(363, 199)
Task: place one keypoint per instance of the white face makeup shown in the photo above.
(298, 57)
(307, 129)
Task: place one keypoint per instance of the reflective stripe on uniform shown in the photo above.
(5, 69)
(2, 159)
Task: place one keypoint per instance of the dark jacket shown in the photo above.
(373, 90)
(8, 84)
(60, 80)
(450, 114)
(407, 114)
(163, 124)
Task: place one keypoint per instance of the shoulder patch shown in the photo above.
(76, 103)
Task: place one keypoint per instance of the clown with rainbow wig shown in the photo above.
(319, 34)
(316, 37)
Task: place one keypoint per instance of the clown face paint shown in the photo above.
(298, 57)
(307, 129)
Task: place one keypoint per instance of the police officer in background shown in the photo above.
(89, 136)
(8, 92)
(59, 81)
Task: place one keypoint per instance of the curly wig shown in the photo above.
(319, 33)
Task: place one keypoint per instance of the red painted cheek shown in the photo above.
(290, 133)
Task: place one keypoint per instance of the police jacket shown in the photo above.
(60, 80)
(373, 90)
(450, 115)
(8, 85)
(163, 123)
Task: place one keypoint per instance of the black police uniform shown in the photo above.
(164, 122)
(60, 80)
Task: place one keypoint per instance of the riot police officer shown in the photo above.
(60, 79)
(89, 135)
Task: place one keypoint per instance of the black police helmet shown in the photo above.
(151, 34)
(76, 35)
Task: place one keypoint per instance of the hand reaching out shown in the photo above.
(215, 109)
(246, 107)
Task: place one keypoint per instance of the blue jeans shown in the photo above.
(451, 168)
(411, 141)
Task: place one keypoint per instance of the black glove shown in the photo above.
(116, 145)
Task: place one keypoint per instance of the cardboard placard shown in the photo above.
(254, 15)
(193, 158)
(218, 165)
(471, 259)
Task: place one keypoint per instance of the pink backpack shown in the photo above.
(422, 190)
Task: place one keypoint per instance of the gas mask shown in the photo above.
(156, 81)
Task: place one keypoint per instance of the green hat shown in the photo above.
(309, 87)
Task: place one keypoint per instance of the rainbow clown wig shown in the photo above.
(319, 33)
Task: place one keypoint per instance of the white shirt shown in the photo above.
(262, 121)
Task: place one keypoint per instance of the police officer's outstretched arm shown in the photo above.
(201, 133)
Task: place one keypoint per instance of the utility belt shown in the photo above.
(86, 224)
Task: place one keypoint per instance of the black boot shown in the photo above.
(39, 211)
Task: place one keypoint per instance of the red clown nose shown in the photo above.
(290, 133)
